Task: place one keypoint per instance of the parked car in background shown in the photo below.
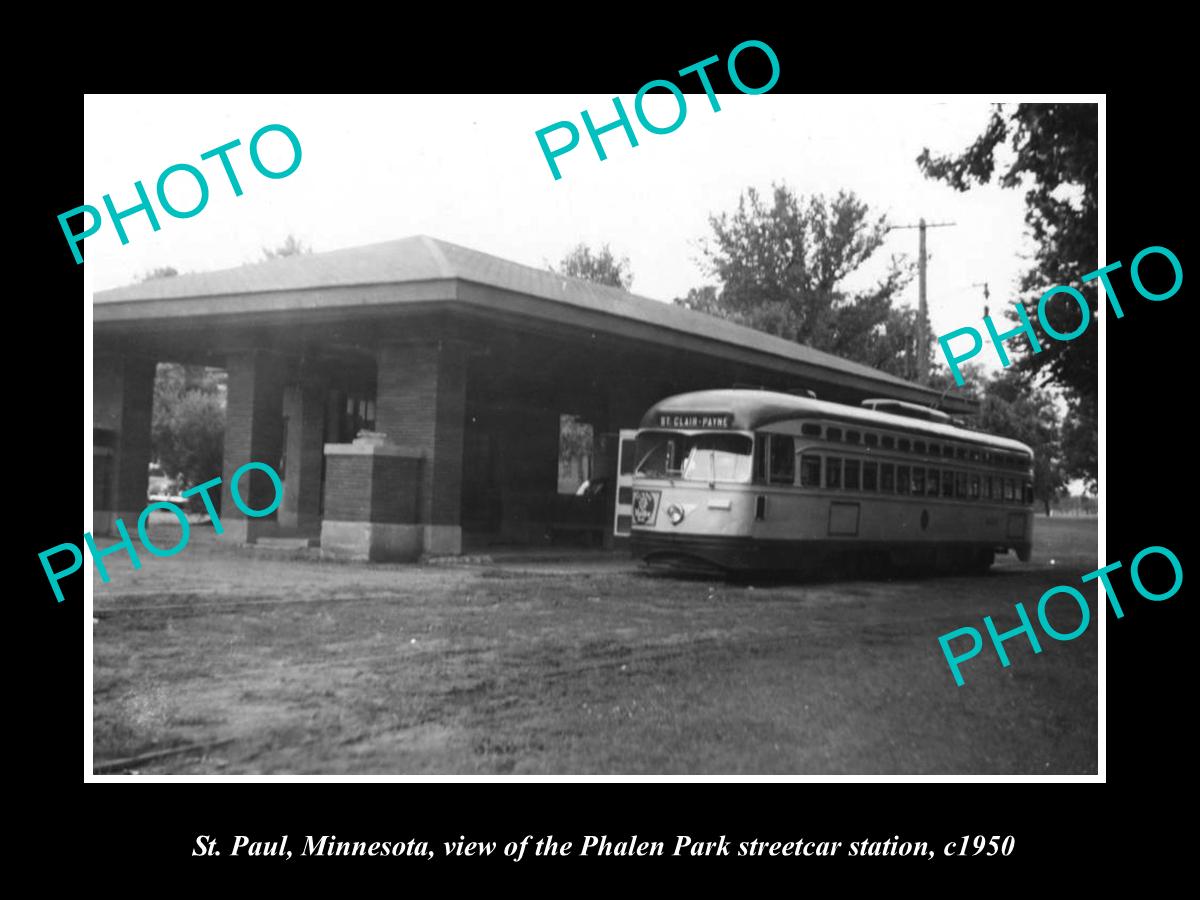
(160, 487)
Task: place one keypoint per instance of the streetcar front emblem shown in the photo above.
(645, 507)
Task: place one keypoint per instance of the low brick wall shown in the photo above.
(372, 503)
(374, 487)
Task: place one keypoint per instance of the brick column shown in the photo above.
(371, 492)
(253, 433)
(122, 404)
(420, 405)
(304, 406)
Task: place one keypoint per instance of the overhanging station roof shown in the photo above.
(424, 271)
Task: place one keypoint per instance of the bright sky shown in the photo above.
(468, 169)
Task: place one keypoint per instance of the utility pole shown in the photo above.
(986, 307)
(923, 303)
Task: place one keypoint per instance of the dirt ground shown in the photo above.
(585, 666)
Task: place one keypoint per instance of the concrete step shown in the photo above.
(287, 543)
(476, 560)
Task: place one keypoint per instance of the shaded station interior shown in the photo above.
(461, 363)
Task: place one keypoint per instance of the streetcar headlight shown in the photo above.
(675, 514)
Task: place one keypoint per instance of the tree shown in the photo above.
(1079, 443)
(160, 272)
(1013, 406)
(188, 422)
(1055, 159)
(602, 266)
(292, 246)
(974, 376)
(701, 299)
(575, 449)
(781, 266)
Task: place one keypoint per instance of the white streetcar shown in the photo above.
(755, 480)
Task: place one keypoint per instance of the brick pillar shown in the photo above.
(420, 405)
(605, 445)
(371, 491)
(304, 406)
(122, 404)
(253, 433)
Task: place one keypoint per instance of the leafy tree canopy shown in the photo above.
(188, 422)
(160, 272)
(600, 266)
(781, 263)
(1012, 405)
(292, 246)
(1054, 157)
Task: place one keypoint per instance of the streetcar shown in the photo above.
(745, 480)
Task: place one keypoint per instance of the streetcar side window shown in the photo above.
(903, 480)
(918, 480)
(871, 440)
(990, 493)
(833, 434)
(850, 478)
(919, 447)
(904, 445)
(960, 485)
(783, 459)
(870, 476)
(1008, 490)
(947, 483)
(810, 470)
(888, 442)
(1028, 493)
(853, 437)
(974, 487)
(931, 483)
(887, 478)
(833, 472)
(810, 429)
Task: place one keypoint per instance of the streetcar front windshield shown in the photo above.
(715, 456)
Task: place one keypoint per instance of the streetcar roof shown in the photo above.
(753, 409)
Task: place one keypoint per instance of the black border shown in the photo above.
(1147, 497)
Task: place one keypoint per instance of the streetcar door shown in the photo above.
(626, 460)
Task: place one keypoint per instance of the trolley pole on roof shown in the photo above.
(923, 303)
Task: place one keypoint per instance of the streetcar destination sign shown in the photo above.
(695, 420)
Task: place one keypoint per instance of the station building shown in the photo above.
(459, 364)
